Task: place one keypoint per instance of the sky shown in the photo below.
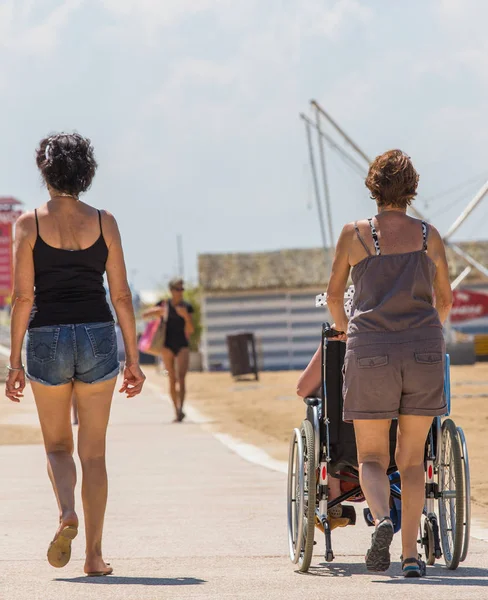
(193, 108)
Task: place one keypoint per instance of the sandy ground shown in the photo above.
(264, 413)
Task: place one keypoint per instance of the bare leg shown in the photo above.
(339, 516)
(412, 433)
(373, 444)
(74, 410)
(54, 408)
(94, 402)
(334, 488)
(169, 365)
(182, 362)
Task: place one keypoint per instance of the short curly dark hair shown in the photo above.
(392, 179)
(67, 162)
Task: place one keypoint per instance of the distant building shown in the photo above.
(272, 294)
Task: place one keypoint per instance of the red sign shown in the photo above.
(9, 213)
(6, 279)
(469, 305)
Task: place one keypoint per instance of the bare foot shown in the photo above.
(96, 567)
(180, 415)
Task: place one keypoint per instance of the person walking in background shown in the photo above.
(62, 250)
(177, 316)
(394, 362)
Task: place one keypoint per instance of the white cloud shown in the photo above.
(306, 18)
(152, 15)
(462, 23)
(455, 9)
(268, 49)
(165, 12)
(230, 100)
(19, 34)
(6, 19)
(329, 19)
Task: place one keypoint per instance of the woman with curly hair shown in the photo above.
(62, 250)
(394, 362)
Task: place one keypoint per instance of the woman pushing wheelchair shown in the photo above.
(394, 361)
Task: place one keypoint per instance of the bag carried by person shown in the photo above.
(154, 336)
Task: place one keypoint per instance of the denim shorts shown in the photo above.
(59, 354)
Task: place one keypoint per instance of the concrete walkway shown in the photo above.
(187, 518)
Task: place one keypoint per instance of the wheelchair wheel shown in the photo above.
(295, 496)
(302, 488)
(310, 481)
(428, 542)
(467, 493)
(451, 495)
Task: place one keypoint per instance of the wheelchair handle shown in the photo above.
(330, 332)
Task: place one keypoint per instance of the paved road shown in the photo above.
(187, 518)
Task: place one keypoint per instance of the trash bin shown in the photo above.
(242, 355)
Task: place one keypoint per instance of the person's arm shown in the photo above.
(189, 327)
(22, 301)
(311, 378)
(121, 297)
(338, 279)
(442, 285)
(154, 311)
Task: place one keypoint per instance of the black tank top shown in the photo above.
(69, 284)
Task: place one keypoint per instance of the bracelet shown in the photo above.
(9, 368)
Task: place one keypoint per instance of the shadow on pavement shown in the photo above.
(336, 570)
(114, 580)
(464, 576)
(438, 575)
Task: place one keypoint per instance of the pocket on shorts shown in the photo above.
(428, 358)
(102, 339)
(43, 343)
(371, 362)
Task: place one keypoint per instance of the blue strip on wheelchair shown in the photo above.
(447, 383)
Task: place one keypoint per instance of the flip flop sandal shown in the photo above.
(413, 567)
(378, 556)
(59, 551)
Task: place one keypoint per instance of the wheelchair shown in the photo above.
(324, 446)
